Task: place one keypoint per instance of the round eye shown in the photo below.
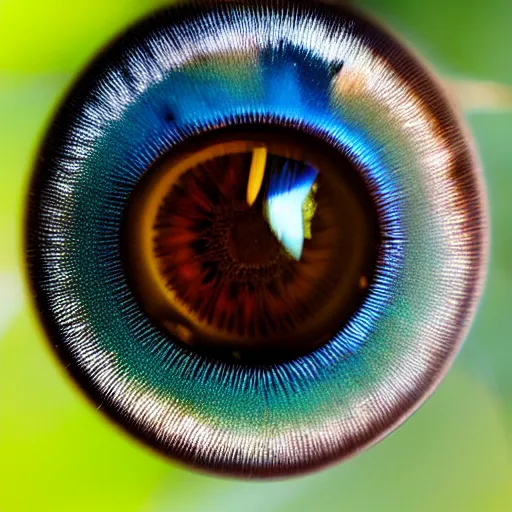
(256, 234)
(254, 247)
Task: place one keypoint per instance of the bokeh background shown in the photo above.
(57, 453)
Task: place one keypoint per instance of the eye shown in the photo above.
(257, 234)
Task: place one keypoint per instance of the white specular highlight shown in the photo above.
(287, 193)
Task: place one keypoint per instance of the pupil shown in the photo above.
(252, 248)
(251, 241)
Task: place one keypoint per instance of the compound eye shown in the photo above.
(257, 234)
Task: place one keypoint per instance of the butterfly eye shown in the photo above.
(256, 234)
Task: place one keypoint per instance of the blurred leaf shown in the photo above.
(488, 350)
(467, 38)
(58, 452)
(58, 36)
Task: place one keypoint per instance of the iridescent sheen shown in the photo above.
(318, 69)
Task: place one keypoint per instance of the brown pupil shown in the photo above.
(225, 277)
(251, 241)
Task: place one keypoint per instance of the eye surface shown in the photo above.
(257, 234)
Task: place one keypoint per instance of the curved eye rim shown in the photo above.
(68, 360)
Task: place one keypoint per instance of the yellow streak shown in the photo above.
(259, 161)
(308, 211)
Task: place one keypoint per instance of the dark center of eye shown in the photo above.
(254, 247)
(251, 241)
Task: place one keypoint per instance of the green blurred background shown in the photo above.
(57, 453)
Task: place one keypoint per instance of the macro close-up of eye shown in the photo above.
(256, 234)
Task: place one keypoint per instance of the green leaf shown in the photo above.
(470, 38)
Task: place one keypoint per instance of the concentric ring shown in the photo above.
(208, 269)
(319, 70)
